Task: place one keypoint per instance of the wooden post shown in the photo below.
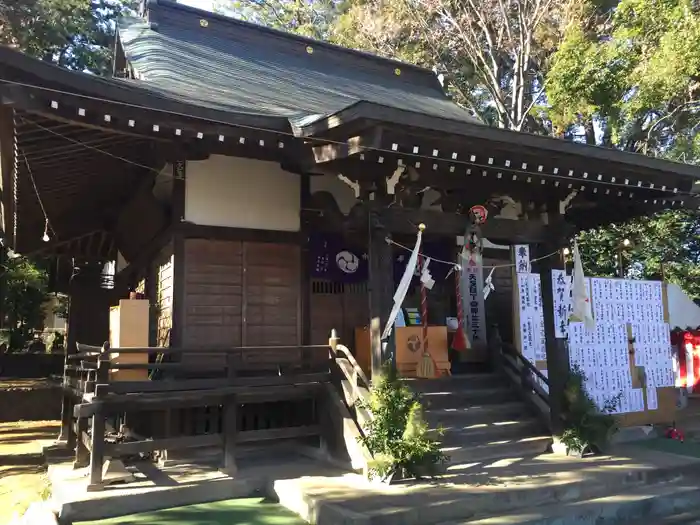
(381, 289)
(103, 362)
(97, 452)
(82, 454)
(333, 341)
(230, 415)
(66, 404)
(557, 351)
(375, 333)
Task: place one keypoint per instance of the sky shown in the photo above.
(199, 4)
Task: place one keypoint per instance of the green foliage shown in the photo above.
(58, 341)
(670, 239)
(310, 18)
(397, 437)
(633, 66)
(75, 34)
(62, 306)
(588, 427)
(23, 299)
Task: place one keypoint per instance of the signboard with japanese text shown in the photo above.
(522, 258)
(630, 334)
(473, 297)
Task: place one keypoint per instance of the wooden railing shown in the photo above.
(532, 385)
(232, 378)
(351, 380)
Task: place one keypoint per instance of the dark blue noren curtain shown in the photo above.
(332, 257)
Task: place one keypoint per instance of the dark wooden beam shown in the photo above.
(328, 152)
(7, 172)
(198, 231)
(403, 221)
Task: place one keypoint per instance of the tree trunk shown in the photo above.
(589, 130)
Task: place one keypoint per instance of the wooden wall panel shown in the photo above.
(213, 293)
(499, 305)
(272, 294)
(241, 294)
(340, 306)
(164, 295)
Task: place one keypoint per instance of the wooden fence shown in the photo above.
(226, 380)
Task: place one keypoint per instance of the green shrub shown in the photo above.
(588, 428)
(397, 436)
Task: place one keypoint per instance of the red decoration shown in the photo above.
(687, 346)
(674, 433)
(459, 341)
(424, 306)
(479, 213)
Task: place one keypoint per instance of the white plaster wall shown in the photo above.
(241, 193)
(682, 311)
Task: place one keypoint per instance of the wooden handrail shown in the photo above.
(342, 352)
(511, 351)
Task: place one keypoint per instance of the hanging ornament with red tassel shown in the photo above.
(460, 342)
(427, 367)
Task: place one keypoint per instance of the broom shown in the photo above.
(426, 366)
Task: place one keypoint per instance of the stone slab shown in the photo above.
(158, 488)
(482, 489)
(641, 506)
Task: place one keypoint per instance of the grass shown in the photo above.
(672, 446)
(253, 511)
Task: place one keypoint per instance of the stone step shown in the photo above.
(479, 433)
(640, 506)
(691, 517)
(514, 448)
(460, 397)
(499, 490)
(485, 413)
(456, 382)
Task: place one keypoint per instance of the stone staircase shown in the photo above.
(481, 419)
(501, 473)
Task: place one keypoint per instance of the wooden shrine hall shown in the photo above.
(206, 166)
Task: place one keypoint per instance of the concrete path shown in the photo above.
(251, 511)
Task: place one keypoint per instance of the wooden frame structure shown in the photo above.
(80, 156)
(250, 376)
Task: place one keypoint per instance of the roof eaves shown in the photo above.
(400, 117)
(125, 92)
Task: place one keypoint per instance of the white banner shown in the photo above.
(401, 291)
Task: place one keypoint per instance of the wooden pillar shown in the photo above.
(304, 282)
(178, 216)
(88, 318)
(229, 419)
(177, 317)
(381, 286)
(557, 350)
